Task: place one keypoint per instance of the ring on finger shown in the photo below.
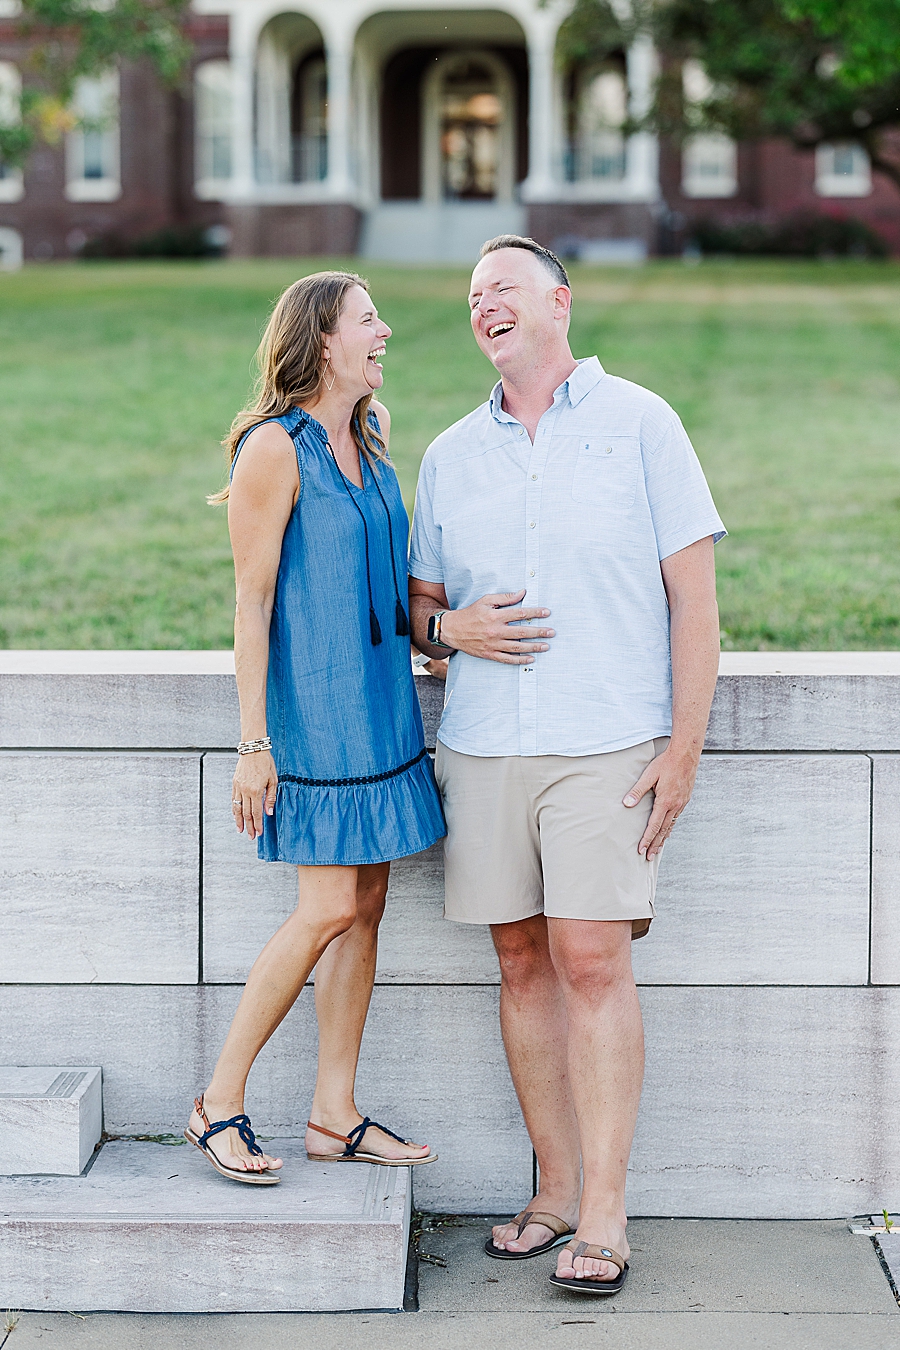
(236, 801)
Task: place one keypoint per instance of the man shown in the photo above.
(581, 493)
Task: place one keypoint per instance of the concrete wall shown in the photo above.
(131, 911)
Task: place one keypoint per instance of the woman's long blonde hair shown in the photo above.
(290, 362)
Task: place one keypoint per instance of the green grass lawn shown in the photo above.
(118, 380)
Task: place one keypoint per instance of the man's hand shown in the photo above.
(671, 779)
(496, 629)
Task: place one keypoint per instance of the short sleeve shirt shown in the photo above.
(581, 520)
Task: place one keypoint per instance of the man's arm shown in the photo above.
(485, 629)
(689, 577)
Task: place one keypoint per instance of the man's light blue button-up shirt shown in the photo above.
(581, 519)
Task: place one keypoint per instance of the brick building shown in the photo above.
(410, 132)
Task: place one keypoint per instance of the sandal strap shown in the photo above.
(596, 1253)
(201, 1110)
(356, 1134)
(240, 1123)
(355, 1137)
(556, 1225)
(331, 1134)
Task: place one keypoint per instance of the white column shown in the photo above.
(543, 132)
(339, 57)
(643, 149)
(273, 111)
(243, 54)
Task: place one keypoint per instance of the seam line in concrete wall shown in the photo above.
(408, 984)
(228, 749)
(871, 856)
(200, 877)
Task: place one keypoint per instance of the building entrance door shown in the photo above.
(471, 115)
(469, 129)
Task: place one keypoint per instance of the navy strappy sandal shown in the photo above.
(352, 1151)
(242, 1125)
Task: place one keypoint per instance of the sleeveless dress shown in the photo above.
(355, 782)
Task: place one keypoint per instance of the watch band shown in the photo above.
(434, 630)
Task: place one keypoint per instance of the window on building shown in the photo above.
(843, 170)
(309, 120)
(708, 159)
(92, 149)
(598, 108)
(11, 185)
(709, 166)
(213, 123)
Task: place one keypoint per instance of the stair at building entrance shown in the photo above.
(151, 1227)
(443, 232)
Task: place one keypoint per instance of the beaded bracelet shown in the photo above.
(251, 747)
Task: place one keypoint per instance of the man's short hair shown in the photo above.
(543, 255)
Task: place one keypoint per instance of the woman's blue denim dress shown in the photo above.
(355, 782)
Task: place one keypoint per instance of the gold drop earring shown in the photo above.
(328, 386)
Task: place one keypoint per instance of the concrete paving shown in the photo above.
(708, 1285)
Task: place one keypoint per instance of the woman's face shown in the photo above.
(356, 345)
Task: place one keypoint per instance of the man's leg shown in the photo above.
(592, 960)
(533, 1022)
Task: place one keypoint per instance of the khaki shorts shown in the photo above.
(546, 834)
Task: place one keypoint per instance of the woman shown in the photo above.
(332, 773)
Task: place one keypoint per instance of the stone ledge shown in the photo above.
(329, 1238)
(834, 701)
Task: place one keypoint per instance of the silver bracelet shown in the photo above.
(251, 747)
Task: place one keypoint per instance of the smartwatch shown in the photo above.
(434, 630)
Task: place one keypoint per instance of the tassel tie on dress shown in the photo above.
(401, 622)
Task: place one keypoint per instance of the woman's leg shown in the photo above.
(326, 908)
(344, 978)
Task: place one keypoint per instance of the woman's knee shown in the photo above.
(371, 894)
(328, 910)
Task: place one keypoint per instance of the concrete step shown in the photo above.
(50, 1119)
(153, 1228)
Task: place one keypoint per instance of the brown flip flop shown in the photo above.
(558, 1227)
(603, 1288)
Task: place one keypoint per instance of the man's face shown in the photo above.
(517, 308)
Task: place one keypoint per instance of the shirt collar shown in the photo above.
(586, 375)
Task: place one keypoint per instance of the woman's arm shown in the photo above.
(263, 492)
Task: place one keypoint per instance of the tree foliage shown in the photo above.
(868, 32)
(71, 39)
(781, 68)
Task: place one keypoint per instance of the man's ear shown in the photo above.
(562, 302)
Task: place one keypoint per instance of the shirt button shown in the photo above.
(531, 524)
(534, 475)
(531, 573)
(521, 431)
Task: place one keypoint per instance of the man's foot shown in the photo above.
(609, 1234)
(504, 1234)
(228, 1145)
(374, 1141)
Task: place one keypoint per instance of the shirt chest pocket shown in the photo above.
(606, 471)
